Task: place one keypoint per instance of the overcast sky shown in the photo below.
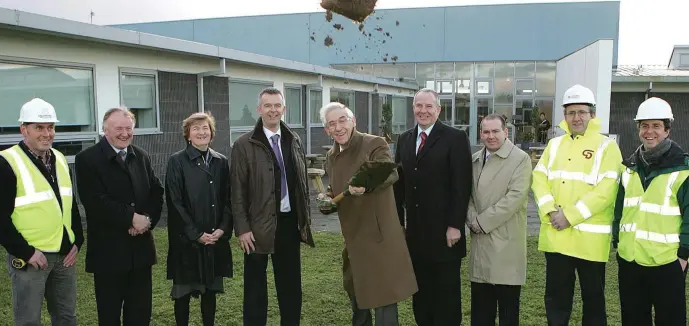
(648, 29)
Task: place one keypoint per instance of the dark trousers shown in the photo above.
(660, 288)
(207, 309)
(559, 289)
(385, 316)
(439, 299)
(487, 299)
(124, 294)
(287, 270)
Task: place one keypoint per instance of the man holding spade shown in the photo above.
(377, 269)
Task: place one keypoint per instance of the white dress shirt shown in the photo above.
(284, 203)
(418, 136)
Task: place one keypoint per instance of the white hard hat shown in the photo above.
(578, 94)
(37, 111)
(654, 109)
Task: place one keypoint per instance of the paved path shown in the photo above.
(330, 223)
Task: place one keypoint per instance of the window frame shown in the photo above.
(318, 123)
(11, 139)
(348, 91)
(145, 73)
(266, 83)
(300, 124)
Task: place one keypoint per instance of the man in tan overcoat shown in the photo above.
(497, 219)
(377, 269)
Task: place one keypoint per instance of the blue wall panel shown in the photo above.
(537, 31)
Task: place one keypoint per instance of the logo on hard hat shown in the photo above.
(574, 96)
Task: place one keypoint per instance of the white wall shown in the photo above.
(590, 67)
(107, 60)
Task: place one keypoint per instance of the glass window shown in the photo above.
(346, 98)
(294, 107)
(463, 77)
(444, 87)
(315, 103)
(484, 107)
(484, 70)
(525, 69)
(445, 111)
(138, 93)
(545, 78)
(462, 109)
(525, 87)
(505, 110)
(243, 103)
(444, 70)
(484, 88)
(504, 82)
(69, 90)
(399, 114)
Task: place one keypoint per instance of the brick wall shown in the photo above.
(178, 99)
(361, 112)
(375, 114)
(216, 100)
(318, 139)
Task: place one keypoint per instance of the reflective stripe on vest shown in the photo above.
(37, 214)
(31, 196)
(649, 229)
(593, 177)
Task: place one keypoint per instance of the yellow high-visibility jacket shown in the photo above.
(579, 174)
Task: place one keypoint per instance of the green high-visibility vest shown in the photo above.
(651, 219)
(37, 214)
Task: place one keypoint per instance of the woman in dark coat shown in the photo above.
(199, 220)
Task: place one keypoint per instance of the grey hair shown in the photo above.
(271, 91)
(431, 91)
(334, 106)
(122, 109)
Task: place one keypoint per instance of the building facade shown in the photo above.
(481, 59)
(84, 70)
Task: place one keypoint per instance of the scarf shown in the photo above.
(652, 156)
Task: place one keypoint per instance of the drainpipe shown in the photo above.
(648, 91)
(199, 82)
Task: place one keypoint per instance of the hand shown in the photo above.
(475, 228)
(453, 235)
(133, 232)
(38, 260)
(217, 234)
(247, 240)
(683, 263)
(71, 257)
(206, 239)
(141, 223)
(558, 219)
(357, 191)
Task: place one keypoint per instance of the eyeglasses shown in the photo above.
(339, 122)
(581, 113)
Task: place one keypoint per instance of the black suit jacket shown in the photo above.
(433, 190)
(111, 191)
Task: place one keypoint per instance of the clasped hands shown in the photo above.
(140, 224)
(558, 219)
(211, 238)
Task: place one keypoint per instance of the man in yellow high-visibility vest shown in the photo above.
(651, 225)
(40, 224)
(574, 185)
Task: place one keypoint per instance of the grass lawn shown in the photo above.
(324, 302)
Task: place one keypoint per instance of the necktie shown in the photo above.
(423, 141)
(276, 149)
(122, 155)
